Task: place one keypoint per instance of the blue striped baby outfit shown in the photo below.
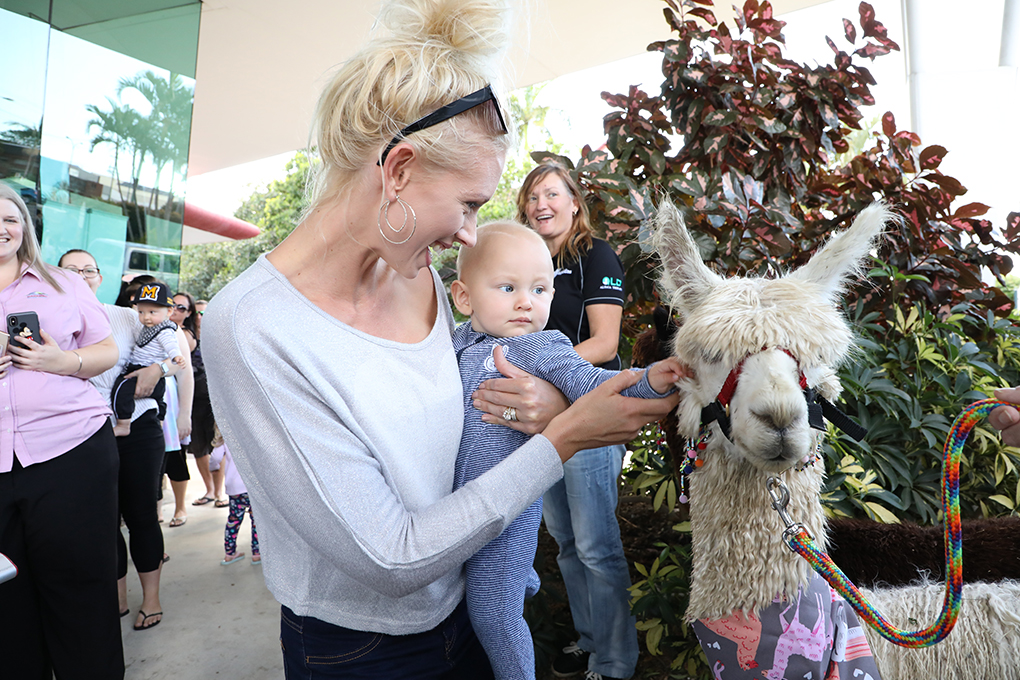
(498, 574)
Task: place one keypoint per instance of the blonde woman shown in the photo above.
(333, 376)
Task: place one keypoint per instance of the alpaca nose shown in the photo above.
(775, 421)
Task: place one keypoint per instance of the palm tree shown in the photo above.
(527, 113)
(170, 120)
(114, 127)
(127, 130)
(23, 135)
(29, 137)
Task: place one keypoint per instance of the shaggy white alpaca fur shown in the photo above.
(740, 562)
(984, 644)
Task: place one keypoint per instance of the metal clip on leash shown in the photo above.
(780, 500)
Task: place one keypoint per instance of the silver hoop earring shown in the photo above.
(384, 215)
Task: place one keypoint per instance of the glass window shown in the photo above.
(21, 105)
(106, 160)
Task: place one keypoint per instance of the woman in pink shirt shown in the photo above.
(58, 471)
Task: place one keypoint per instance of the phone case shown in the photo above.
(7, 568)
(23, 325)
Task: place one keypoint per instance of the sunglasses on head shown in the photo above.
(468, 101)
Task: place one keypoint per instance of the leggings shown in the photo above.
(238, 504)
(141, 462)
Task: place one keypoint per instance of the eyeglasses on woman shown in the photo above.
(86, 272)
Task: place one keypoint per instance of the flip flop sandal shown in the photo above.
(166, 558)
(125, 613)
(222, 504)
(178, 521)
(204, 500)
(236, 558)
(146, 617)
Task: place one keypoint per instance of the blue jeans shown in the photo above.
(314, 650)
(580, 513)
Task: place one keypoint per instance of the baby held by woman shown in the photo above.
(505, 284)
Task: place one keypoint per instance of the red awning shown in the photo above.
(222, 225)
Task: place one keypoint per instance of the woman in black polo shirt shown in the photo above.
(580, 510)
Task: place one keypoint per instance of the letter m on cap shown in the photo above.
(149, 293)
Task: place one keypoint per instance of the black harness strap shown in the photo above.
(820, 409)
(842, 420)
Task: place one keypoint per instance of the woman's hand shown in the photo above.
(183, 425)
(46, 357)
(1005, 418)
(535, 401)
(147, 379)
(5, 365)
(604, 416)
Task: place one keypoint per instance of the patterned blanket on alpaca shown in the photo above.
(814, 637)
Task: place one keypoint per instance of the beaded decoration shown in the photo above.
(801, 542)
(692, 461)
(692, 447)
(810, 459)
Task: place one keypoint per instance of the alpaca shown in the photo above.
(756, 345)
(777, 330)
(890, 563)
(761, 347)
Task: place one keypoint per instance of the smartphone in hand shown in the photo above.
(23, 325)
(7, 568)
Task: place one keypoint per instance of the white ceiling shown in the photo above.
(261, 63)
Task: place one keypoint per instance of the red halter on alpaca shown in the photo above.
(819, 408)
(730, 386)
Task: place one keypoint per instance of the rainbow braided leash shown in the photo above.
(801, 542)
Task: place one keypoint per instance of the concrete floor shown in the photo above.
(218, 622)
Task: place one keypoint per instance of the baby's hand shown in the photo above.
(179, 360)
(663, 375)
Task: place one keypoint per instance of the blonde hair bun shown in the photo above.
(475, 27)
(425, 54)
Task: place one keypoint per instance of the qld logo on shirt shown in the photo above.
(608, 282)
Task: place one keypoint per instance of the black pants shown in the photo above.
(141, 463)
(122, 396)
(58, 523)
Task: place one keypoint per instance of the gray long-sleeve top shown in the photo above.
(347, 444)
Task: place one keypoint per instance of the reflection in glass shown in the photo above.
(21, 105)
(95, 120)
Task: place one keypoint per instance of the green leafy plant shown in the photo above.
(913, 374)
(659, 600)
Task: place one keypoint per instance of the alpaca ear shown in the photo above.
(844, 255)
(685, 279)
